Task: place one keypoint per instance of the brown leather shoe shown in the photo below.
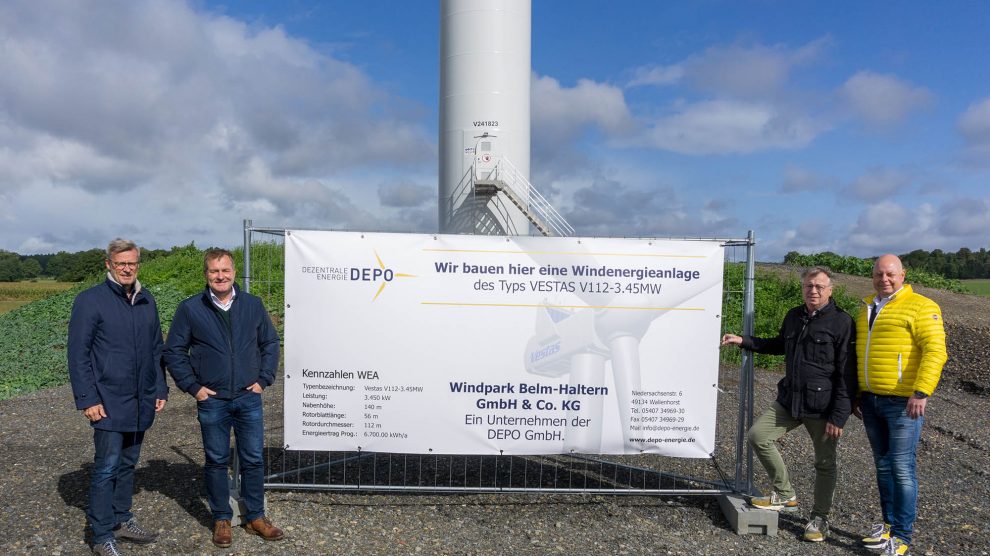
(263, 528)
(222, 534)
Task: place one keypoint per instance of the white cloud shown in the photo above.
(737, 71)
(877, 184)
(405, 194)
(974, 125)
(728, 126)
(894, 227)
(757, 71)
(749, 103)
(608, 208)
(257, 207)
(798, 179)
(890, 227)
(310, 199)
(656, 75)
(35, 244)
(560, 114)
(751, 111)
(811, 235)
(883, 101)
(422, 220)
(192, 109)
(966, 218)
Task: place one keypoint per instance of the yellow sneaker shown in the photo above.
(775, 502)
(897, 547)
(816, 530)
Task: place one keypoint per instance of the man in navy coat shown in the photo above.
(118, 381)
(223, 350)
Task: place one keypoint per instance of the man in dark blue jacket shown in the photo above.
(818, 342)
(223, 350)
(114, 352)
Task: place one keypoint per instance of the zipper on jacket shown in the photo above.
(230, 345)
(797, 385)
(866, 354)
(137, 360)
(900, 368)
(229, 335)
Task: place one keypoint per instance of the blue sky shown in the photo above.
(856, 127)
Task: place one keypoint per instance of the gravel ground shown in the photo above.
(48, 449)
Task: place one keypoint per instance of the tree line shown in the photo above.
(75, 267)
(961, 265)
(62, 266)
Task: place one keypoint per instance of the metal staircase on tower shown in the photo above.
(481, 197)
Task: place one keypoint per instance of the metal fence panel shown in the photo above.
(728, 469)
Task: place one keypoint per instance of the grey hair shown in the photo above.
(813, 271)
(121, 245)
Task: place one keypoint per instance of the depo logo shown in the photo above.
(379, 274)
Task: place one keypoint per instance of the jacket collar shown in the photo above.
(903, 293)
(827, 308)
(118, 289)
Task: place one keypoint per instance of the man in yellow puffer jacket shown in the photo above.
(900, 347)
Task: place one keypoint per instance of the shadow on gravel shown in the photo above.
(794, 525)
(73, 487)
(179, 481)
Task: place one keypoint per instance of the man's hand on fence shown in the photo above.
(731, 340)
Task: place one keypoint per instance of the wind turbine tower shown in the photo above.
(484, 127)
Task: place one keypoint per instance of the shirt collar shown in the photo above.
(220, 305)
(881, 301)
(818, 310)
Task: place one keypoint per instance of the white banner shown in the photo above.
(449, 344)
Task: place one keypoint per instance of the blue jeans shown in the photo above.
(894, 440)
(216, 418)
(111, 484)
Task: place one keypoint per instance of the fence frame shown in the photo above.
(740, 483)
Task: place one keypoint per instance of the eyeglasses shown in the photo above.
(816, 287)
(120, 265)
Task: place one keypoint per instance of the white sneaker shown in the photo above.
(878, 537)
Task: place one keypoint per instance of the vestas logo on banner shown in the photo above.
(381, 274)
(544, 352)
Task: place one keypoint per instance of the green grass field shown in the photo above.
(16, 294)
(979, 287)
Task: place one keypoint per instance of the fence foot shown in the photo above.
(237, 506)
(746, 520)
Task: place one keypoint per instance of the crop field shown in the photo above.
(979, 287)
(16, 294)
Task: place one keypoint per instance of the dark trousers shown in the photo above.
(111, 485)
(217, 417)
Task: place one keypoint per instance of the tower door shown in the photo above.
(485, 158)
